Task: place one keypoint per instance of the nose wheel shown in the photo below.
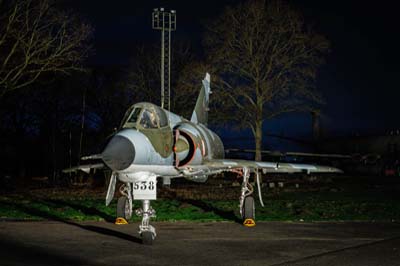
(148, 238)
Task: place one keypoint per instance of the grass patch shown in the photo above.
(305, 206)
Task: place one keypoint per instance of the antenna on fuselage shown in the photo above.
(166, 22)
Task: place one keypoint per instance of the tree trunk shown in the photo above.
(258, 139)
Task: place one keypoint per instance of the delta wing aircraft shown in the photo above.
(153, 142)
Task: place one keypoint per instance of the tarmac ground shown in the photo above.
(192, 243)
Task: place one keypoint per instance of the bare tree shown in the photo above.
(266, 60)
(36, 38)
(143, 76)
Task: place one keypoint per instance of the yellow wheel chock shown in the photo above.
(249, 223)
(121, 221)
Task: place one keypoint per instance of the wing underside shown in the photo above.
(218, 166)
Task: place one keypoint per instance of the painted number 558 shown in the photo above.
(144, 185)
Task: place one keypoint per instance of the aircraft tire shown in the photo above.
(147, 238)
(123, 208)
(248, 208)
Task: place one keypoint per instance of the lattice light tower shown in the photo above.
(166, 22)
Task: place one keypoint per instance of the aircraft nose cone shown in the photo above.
(119, 153)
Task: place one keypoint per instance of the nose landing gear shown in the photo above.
(146, 231)
(140, 186)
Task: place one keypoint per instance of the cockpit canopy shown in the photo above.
(144, 116)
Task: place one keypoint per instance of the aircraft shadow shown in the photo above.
(97, 229)
(227, 215)
(19, 253)
(82, 208)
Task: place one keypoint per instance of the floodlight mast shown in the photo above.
(166, 22)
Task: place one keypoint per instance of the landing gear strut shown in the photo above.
(146, 231)
(247, 209)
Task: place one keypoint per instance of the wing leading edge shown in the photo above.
(268, 167)
(85, 168)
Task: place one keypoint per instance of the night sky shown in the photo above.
(359, 81)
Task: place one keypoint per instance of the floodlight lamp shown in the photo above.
(155, 9)
(161, 9)
(173, 11)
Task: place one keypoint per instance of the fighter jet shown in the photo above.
(153, 142)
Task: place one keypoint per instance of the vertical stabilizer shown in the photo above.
(200, 112)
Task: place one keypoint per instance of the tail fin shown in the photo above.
(200, 112)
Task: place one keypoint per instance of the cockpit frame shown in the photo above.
(145, 116)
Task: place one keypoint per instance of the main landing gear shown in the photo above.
(246, 200)
(124, 204)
